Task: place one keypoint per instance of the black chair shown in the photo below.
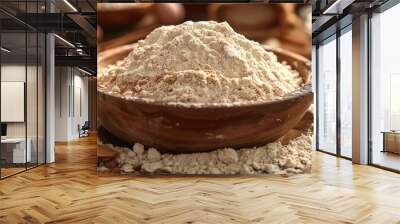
(84, 130)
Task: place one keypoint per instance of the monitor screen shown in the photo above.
(3, 129)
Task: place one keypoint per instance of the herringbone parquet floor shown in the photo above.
(70, 191)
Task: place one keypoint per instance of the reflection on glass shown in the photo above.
(327, 96)
(385, 84)
(346, 94)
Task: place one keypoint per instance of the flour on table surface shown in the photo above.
(272, 158)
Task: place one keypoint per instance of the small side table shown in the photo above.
(391, 141)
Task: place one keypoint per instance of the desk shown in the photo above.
(13, 150)
(391, 141)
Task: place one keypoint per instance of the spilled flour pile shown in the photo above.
(199, 62)
(273, 158)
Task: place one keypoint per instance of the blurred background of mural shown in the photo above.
(281, 25)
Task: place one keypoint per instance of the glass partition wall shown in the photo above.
(22, 77)
(334, 93)
(13, 89)
(334, 105)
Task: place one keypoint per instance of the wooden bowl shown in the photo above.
(246, 16)
(188, 129)
(117, 15)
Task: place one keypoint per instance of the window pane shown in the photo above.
(385, 115)
(327, 96)
(346, 94)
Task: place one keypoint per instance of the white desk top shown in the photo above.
(13, 140)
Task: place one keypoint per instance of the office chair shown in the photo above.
(84, 130)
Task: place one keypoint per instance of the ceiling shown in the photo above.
(39, 6)
(330, 15)
(16, 42)
(72, 20)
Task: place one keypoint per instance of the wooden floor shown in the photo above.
(70, 191)
(9, 171)
(387, 159)
(5, 172)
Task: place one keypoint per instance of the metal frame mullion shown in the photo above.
(26, 88)
(369, 101)
(316, 106)
(0, 97)
(37, 91)
(338, 74)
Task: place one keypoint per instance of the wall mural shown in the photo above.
(220, 89)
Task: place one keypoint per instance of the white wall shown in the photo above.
(62, 81)
(12, 73)
(80, 110)
(33, 127)
(13, 101)
(70, 83)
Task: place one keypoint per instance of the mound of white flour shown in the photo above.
(272, 158)
(199, 62)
